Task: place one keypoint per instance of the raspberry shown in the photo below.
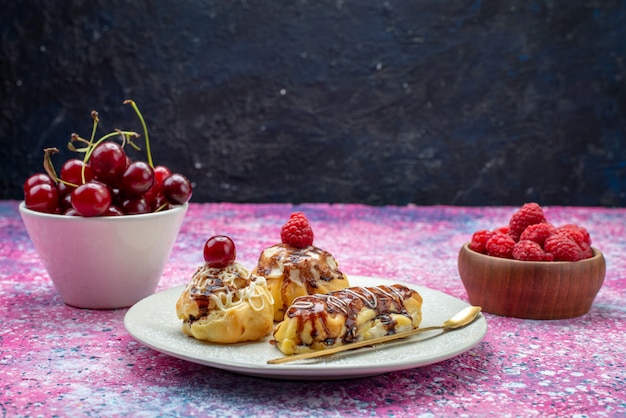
(500, 245)
(528, 250)
(502, 229)
(538, 232)
(479, 241)
(528, 214)
(587, 252)
(297, 232)
(563, 248)
(577, 233)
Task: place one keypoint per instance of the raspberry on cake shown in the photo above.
(297, 232)
(296, 267)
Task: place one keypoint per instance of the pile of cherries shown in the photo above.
(106, 182)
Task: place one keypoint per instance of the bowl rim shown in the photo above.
(43, 215)
(597, 254)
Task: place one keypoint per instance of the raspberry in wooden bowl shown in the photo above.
(531, 289)
(532, 269)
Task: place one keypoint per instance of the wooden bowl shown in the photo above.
(531, 289)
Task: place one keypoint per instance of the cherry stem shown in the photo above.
(71, 147)
(96, 119)
(160, 208)
(145, 130)
(88, 150)
(94, 116)
(76, 138)
(126, 140)
(47, 165)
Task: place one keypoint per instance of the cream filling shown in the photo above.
(230, 296)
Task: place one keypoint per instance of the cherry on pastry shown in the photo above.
(219, 251)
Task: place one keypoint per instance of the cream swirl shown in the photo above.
(229, 287)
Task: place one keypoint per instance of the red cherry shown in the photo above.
(219, 251)
(177, 189)
(65, 202)
(35, 179)
(71, 171)
(161, 173)
(161, 203)
(152, 194)
(137, 179)
(108, 162)
(71, 212)
(116, 196)
(91, 199)
(42, 198)
(64, 189)
(113, 211)
(134, 206)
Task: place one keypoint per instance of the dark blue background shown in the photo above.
(380, 102)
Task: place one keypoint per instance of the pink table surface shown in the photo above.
(61, 361)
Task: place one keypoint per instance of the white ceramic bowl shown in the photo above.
(104, 262)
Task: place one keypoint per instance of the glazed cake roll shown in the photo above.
(322, 321)
(226, 305)
(291, 272)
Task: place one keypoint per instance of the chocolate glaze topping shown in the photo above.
(385, 300)
(310, 266)
(212, 288)
(313, 264)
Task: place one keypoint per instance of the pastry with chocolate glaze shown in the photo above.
(223, 302)
(323, 321)
(295, 267)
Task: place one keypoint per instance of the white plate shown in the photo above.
(153, 322)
